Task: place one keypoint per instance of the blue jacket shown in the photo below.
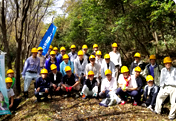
(48, 64)
(42, 83)
(59, 58)
(63, 65)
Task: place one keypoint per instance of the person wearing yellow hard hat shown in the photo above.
(13, 103)
(98, 58)
(167, 87)
(107, 64)
(90, 87)
(137, 62)
(10, 73)
(79, 66)
(42, 86)
(48, 53)
(62, 52)
(115, 57)
(52, 60)
(95, 48)
(41, 57)
(153, 69)
(92, 66)
(70, 82)
(86, 55)
(127, 86)
(108, 89)
(55, 80)
(150, 93)
(56, 50)
(31, 70)
(73, 53)
(64, 63)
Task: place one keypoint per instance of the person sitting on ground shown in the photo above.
(167, 87)
(79, 66)
(66, 62)
(73, 54)
(153, 69)
(92, 66)
(107, 64)
(70, 82)
(137, 62)
(42, 86)
(95, 48)
(150, 93)
(13, 103)
(3, 105)
(10, 73)
(127, 86)
(90, 87)
(52, 60)
(98, 58)
(55, 80)
(86, 55)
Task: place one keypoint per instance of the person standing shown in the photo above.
(95, 48)
(86, 55)
(41, 57)
(56, 50)
(31, 70)
(72, 55)
(62, 52)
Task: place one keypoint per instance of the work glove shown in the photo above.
(81, 93)
(70, 89)
(150, 107)
(67, 89)
(95, 95)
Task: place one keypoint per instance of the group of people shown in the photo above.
(92, 76)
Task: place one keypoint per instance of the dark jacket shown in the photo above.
(89, 85)
(58, 80)
(70, 80)
(139, 83)
(42, 83)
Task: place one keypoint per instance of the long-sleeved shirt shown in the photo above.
(109, 85)
(115, 58)
(87, 57)
(31, 64)
(63, 65)
(70, 80)
(42, 60)
(135, 64)
(168, 77)
(98, 61)
(104, 67)
(72, 56)
(42, 83)
(48, 64)
(55, 78)
(78, 67)
(95, 69)
(59, 58)
(91, 84)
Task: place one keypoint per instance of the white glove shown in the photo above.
(150, 107)
(81, 93)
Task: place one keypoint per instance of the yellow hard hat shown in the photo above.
(52, 53)
(34, 50)
(98, 53)
(53, 66)
(95, 45)
(50, 47)
(8, 80)
(84, 47)
(108, 72)
(124, 69)
(138, 55)
(44, 71)
(167, 60)
(62, 48)
(107, 56)
(67, 68)
(65, 56)
(114, 45)
(10, 71)
(72, 47)
(92, 57)
(138, 69)
(90, 73)
(40, 48)
(149, 78)
(80, 52)
(55, 49)
(152, 57)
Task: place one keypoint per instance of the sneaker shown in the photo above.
(171, 119)
(135, 103)
(123, 102)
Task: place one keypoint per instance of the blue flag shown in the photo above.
(47, 38)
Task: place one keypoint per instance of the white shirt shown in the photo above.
(132, 82)
(104, 67)
(54, 77)
(115, 58)
(95, 69)
(109, 85)
(10, 93)
(168, 77)
(99, 61)
(78, 67)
